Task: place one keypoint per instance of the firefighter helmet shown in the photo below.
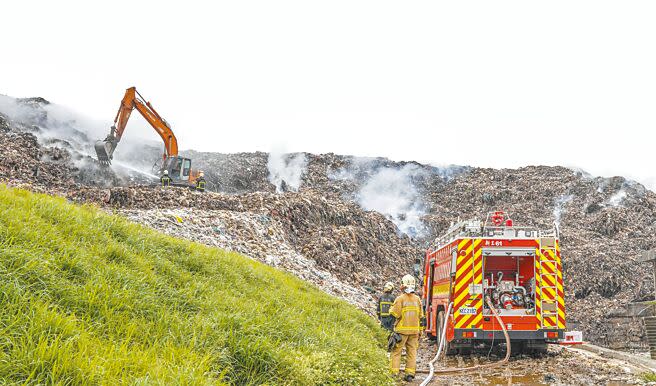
(408, 282)
(389, 286)
(166, 172)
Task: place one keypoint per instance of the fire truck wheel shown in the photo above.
(465, 351)
(517, 348)
(537, 348)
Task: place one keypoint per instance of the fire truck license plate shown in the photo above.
(467, 310)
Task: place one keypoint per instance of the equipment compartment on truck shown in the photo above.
(509, 280)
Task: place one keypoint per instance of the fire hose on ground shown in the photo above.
(442, 344)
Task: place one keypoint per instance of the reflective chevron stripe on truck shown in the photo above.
(549, 294)
(468, 285)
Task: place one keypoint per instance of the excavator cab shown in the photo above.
(179, 169)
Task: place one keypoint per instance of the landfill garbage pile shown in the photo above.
(605, 224)
(61, 149)
(48, 168)
(233, 173)
(357, 247)
(256, 235)
(355, 219)
(340, 174)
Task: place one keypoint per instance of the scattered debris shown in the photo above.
(358, 247)
(255, 235)
(560, 366)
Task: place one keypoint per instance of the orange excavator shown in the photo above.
(177, 167)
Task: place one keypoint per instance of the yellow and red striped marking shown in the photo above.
(549, 296)
(549, 279)
(469, 270)
(538, 285)
(561, 291)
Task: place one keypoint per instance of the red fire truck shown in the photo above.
(518, 269)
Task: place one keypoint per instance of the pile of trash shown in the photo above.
(326, 240)
(233, 173)
(24, 160)
(57, 152)
(257, 236)
(338, 236)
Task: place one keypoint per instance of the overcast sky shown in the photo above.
(496, 84)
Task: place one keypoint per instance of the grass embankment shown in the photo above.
(89, 298)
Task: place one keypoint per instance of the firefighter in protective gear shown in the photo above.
(165, 179)
(200, 182)
(408, 312)
(384, 304)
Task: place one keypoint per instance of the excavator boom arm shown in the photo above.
(133, 100)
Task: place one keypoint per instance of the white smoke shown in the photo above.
(342, 174)
(50, 123)
(602, 184)
(449, 172)
(54, 121)
(581, 172)
(286, 170)
(56, 125)
(559, 207)
(391, 192)
(617, 198)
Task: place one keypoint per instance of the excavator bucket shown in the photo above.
(103, 152)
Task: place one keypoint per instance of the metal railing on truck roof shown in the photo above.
(474, 228)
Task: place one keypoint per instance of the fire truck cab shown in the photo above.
(518, 269)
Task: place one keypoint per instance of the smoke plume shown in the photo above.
(286, 170)
(617, 198)
(559, 207)
(56, 125)
(391, 192)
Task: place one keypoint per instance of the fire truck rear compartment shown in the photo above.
(509, 281)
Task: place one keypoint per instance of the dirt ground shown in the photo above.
(560, 366)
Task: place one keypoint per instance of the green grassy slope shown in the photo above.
(89, 298)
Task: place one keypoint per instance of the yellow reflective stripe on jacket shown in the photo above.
(380, 309)
(410, 314)
(409, 319)
(403, 329)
